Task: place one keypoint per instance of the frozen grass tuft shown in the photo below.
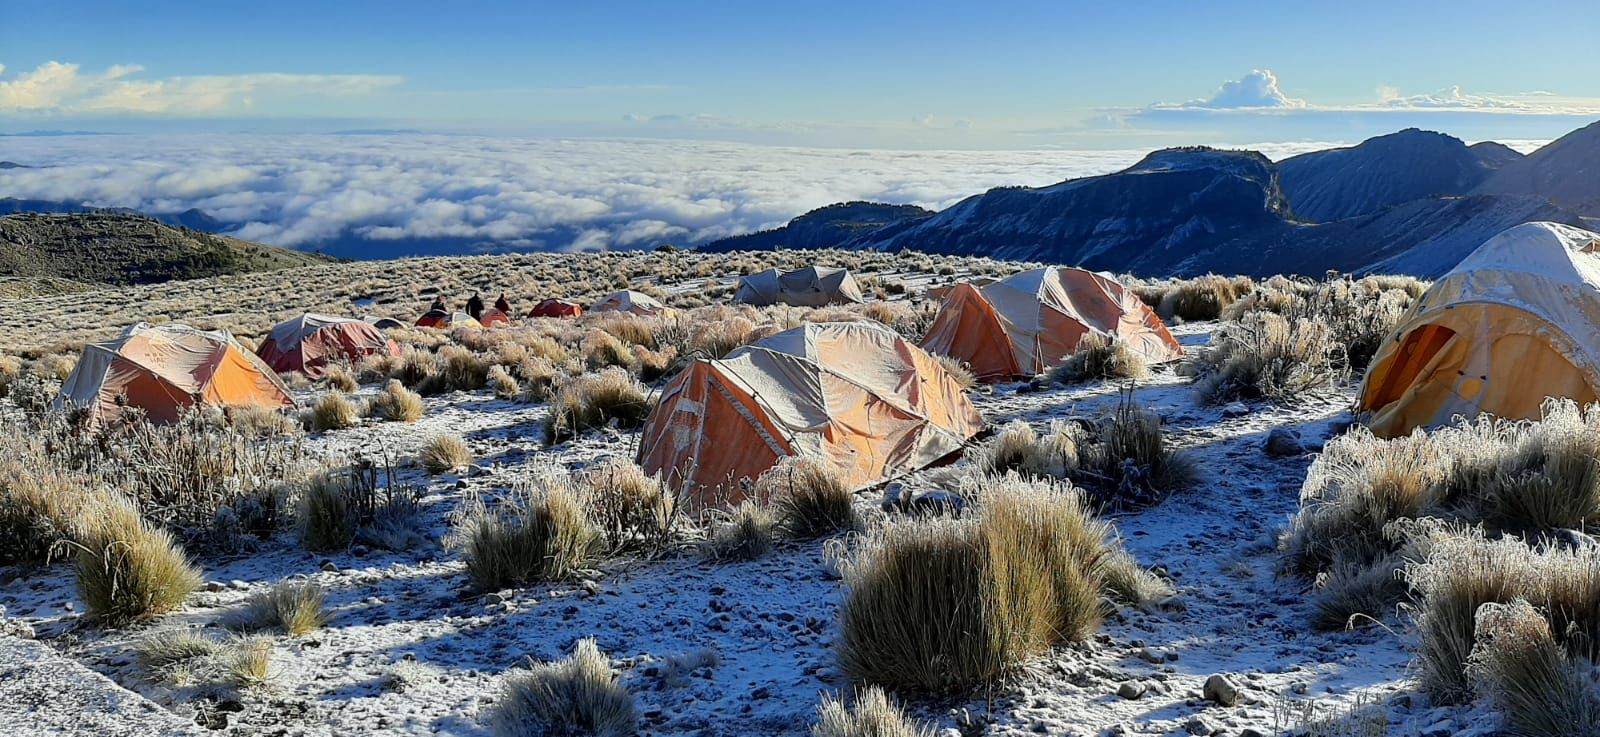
(1521, 667)
(445, 453)
(395, 403)
(747, 534)
(811, 498)
(873, 715)
(578, 695)
(539, 532)
(292, 606)
(592, 401)
(334, 411)
(1100, 357)
(632, 509)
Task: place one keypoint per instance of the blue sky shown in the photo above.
(854, 74)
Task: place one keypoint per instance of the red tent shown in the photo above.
(493, 318)
(308, 342)
(556, 308)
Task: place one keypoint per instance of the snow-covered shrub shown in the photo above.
(811, 498)
(1268, 356)
(591, 401)
(631, 508)
(873, 715)
(539, 532)
(127, 568)
(578, 695)
(1519, 665)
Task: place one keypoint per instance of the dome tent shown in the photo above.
(1517, 321)
(556, 308)
(627, 300)
(1027, 323)
(307, 343)
(854, 394)
(164, 370)
(811, 286)
(446, 320)
(494, 317)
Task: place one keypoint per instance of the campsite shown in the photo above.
(719, 493)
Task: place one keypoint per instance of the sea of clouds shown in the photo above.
(393, 195)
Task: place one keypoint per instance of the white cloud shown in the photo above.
(1259, 93)
(392, 192)
(59, 88)
(1258, 89)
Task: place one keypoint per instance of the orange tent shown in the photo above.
(1027, 323)
(494, 318)
(556, 308)
(445, 320)
(853, 393)
(165, 369)
(307, 343)
(1511, 325)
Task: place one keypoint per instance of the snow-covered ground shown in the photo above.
(717, 648)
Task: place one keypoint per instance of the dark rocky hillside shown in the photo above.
(114, 248)
(825, 226)
(1324, 186)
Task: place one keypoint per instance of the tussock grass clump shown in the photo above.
(1360, 314)
(334, 411)
(1268, 356)
(128, 569)
(249, 663)
(505, 385)
(1121, 460)
(38, 506)
(632, 508)
(445, 453)
(395, 403)
(1519, 665)
(261, 422)
(1100, 357)
(602, 349)
(327, 513)
(414, 368)
(578, 695)
(340, 378)
(716, 338)
(539, 532)
(747, 534)
(943, 604)
(958, 370)
(811, 498)
(361, 501)
(873, 715)
(591, 401)
(1202, 298)
(461, 369)
(167, 648)
(293, 606)
(1529, 479)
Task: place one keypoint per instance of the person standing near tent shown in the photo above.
(438, 304)
(503, 304)
(475, 306)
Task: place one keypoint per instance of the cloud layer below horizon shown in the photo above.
(394, 191)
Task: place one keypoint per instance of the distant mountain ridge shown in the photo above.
(1413, 202)
(118, 249)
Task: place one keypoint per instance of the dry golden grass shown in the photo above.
(1518, 664)
(1100, 357)
(340, 378)
(632, 509)
(128, 569)
(395, 403)
(445, 453)
(333, 411)
(945, 604)
(1268, 356)
(292, 606)
(746, 534)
